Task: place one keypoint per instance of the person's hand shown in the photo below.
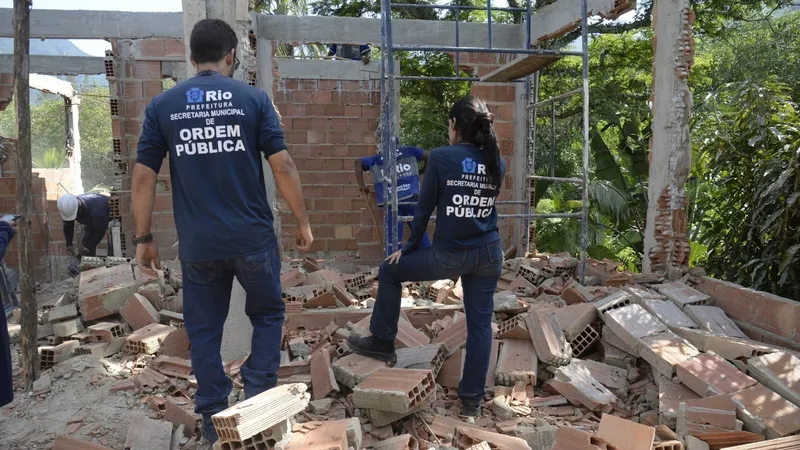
(364, 190)
(394, 257)
(147, 258)
(10, 220)
(304, 238)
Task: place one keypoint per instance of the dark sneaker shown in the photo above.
(470, 408)
(208, 431)
(373, 347)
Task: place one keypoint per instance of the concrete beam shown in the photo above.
(78, 24)
(57, 65)
(52, 85)
(563, 16)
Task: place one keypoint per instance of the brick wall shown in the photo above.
(39, 221)
(328, 124)
(6, 90)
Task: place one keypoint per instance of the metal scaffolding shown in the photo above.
(529, 66)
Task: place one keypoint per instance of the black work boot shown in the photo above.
(470, 407)
(373, 347)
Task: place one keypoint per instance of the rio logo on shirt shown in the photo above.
(469, 166)
(197, 95)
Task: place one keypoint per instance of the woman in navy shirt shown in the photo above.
(462, 182)
(6, 381)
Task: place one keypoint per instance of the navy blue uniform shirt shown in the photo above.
(408, 159)
(6, 381)
(93, 214)
(215, 130)
(457, 184)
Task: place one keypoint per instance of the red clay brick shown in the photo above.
(150, 48)
(145, 70)
(138, 312)
(174, 47)
(316, 110)
(302, 97)
(321, 97)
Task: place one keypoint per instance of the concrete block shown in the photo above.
(735, 348)
(613, 378)
(765, 412)
(106, 331)
(427, 357)
(323, 381)
(575, 293)
(548, 338)
(52, 355)
(718, 412)
(148, 340)
(615, 357)
(354, 435)
(294, 277)
(607, 335)
(707, 374)
(452, 369)
(176, 344)
(329, 435)
(258, 413)
(148, 434)
(778, 371)
(585, 340)
(103, 291)
(138, 312)
(517, 362)
(384, 418)
(180, 411)
(574, 318)
(619, 299)
(453, 337)
(277, 436)
(320, 407)
(353, 369)
(513, 328)
(668, 313)
(631, 323)
(640, 293)
(173, 367)
(68, 327)
(394, 390)
(681, 294)
(714, 320)
(665, 350)
(60, 313)
(505, 301)
(579, 387)
(624, 434)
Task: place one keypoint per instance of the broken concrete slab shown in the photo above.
(323, 381)
(103, 291)
(353, 369)
(329, 435)
(60, 313)
(624, 434)
(538, 438)
(517, 362)
(619, 299)
(260, 412)
(607, 335)
(613, 378)
(147, 434)
(640, 293)
(615, 357)
(452, 369)
(631, 323)
(670, 395)
(138, 312)
(430, 357)
(668, 313)
(778, 371)
(68, 328)
(666, 350)
(574, 318)
(714, 320)
(707, 374)
(765, 412)
(681, 294)
(581, 388)
(394, 390)
(548, 338)
(718, 411)
(505, 301)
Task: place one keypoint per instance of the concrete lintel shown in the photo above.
(81, 24)
(326, 69)
(563, 16)
(57, 65)
(357, 30)
(52, 85)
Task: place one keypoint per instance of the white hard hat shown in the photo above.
(68, 207)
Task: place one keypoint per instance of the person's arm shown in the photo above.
(149, 156)
(359, 168)
(428, 198)
(69, 232)
(272, 144)
(6, 234)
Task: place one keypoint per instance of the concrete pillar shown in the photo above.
(236, 338)
(666, 244)
(74, 141)
(266, 79)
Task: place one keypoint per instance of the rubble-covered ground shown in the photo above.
(626, 362)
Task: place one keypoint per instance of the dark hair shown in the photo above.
(474, 123)
(211, 40)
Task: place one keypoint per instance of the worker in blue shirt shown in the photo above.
(361, 52)
(90, 210)
(216, 130)
(462, 182)
(408, 159)
(6, 381)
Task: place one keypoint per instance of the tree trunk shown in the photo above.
(27, 285)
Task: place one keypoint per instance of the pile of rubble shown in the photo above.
(626, 362)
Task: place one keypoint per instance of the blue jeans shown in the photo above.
(479, 269)
(207, 295)
(405, 210)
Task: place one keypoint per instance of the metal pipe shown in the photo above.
(455, 7)
(557, 179)
(489, 20)
(526, 223)
(585, 60)
(553, 139)
(458, 65)
(557, 97)
(529, 51)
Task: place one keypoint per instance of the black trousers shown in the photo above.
(91, 239)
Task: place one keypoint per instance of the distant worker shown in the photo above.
(462, 183)
(90, 210)
(408, 159)
(7, 227)
(217, 131)
(361, 53)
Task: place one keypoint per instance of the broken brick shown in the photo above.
(573, 319)
(430, 357)
(624, 434)
(707, 374)
(103, 291)
(173, 367)
(668, 313)
(329, 435)
(580, 388)
(106, 331)
(180, 411)
(402, 442)
(714, 320)
(250, 417)
(513, 328)
(453, 337)
(779, 371)
(353, 369)
(68, 328)
(138, 312)
(517, 362)
(323, 381)
(452, 369)
(52, 355)
(548, 338)
(394, 390)
(619, 299)
(148, 340)
(575, 293)
(681, 294)
(176, 344)
(631, 323)
(666, 350)
(294, 277)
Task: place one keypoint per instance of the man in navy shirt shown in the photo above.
(408, 159)
(6, 380)
(90, 210)
(215, 131)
